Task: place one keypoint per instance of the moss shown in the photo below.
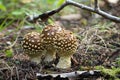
(112, 72)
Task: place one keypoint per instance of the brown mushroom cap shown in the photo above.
(49, 35)
(67, 43)
(32, 44)
(66, 47)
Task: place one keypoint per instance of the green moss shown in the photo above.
(112, 72)
(9, 53)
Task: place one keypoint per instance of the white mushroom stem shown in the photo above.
(36, 59)
(50, 56)
(64, 62)
(35, 56)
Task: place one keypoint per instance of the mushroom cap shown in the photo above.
(49, 35)
(32, 44)
(66, 44)
(56, 38)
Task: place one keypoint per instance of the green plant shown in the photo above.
(9, 53)
(112, 72)
(118, 61)
(2, 6)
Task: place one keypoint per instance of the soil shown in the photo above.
(19, 66)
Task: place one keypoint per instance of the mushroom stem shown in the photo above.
(35, 56)
(50, 55)
(36, 59)
(64, 62)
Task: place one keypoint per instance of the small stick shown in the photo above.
(71, 75)
(96, 10)
(96, 5)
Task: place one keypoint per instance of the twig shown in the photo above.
(96, 5)
(71, 75)
(11, 68)
(97, 10)
(17, 73)
(114, 54)
(21, 24)
(14, 41)
(47, 14)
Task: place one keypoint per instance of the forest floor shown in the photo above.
(98, 46)
(99, 49)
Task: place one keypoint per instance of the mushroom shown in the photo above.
(32, 46)
(52, 39)
(66, 46)
(49, 35)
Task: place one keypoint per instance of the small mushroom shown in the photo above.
(66, 46)
(32, 46)
(49, 35)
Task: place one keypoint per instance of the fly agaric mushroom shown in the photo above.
(32, 46)
(66, 47)
(49, 35)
